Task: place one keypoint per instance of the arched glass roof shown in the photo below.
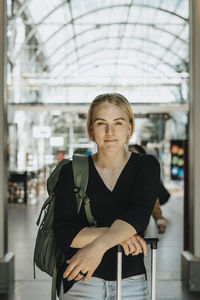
(136, 47)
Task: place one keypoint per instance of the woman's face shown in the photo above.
(110, 127)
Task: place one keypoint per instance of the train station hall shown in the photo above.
(100, 114)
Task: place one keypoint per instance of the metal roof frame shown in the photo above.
(135, 49)
(40, 48)
(84, 61)
(106, 64)
(136, 38)
(32, 32)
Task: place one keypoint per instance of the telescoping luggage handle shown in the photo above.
(154, 245)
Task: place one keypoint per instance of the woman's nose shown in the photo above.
(109, 129)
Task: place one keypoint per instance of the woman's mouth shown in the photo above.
(110, 141)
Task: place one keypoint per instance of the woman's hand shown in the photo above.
(134, 245)
(86, 260)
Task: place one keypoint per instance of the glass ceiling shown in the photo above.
(138, 48)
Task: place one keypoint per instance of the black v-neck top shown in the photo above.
(132, 200)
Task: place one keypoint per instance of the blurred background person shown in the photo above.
(164, 195)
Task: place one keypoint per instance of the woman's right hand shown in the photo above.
(86, 260)
(134, 245)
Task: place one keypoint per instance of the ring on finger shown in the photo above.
(82, 274)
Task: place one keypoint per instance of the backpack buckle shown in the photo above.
(76, 189)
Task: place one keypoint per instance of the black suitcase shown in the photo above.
(154, 245)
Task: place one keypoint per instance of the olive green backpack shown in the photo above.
(47, 256)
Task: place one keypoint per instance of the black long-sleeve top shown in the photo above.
(132, 200)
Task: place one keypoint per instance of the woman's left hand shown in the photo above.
(86, 260)
(134, 245)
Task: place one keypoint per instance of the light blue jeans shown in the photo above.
(133, 288)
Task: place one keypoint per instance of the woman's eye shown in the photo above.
(118, 123)
(100, 123)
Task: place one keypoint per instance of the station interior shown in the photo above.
(55, 57)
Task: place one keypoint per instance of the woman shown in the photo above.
(122, 188)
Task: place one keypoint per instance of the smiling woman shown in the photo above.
(122, 188)
(118, 101)
(110, 127)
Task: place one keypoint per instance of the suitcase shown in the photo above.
(153, 242)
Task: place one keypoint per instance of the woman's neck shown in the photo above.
(111, 159)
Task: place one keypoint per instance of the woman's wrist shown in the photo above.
(107, 240)
(102, 243)
(117, 233)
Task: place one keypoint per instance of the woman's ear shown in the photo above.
(129, 132)
(129, 129)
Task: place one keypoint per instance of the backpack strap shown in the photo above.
(53, 283)
(81, 171)
(54, 277)
(81, 174)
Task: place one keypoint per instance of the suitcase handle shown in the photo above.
(153, 242)
(150, 241)
(154, 245)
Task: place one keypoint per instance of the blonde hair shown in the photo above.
(116, 99)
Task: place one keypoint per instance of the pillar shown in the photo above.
(6, 258)
(191, 257)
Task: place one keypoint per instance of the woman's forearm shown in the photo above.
(108, 237)
(87, 235)
(117, 233)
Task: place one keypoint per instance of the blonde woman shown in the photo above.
(123, 188)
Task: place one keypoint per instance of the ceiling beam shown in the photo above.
(83, 108)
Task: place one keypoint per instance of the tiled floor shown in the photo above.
(22, 232)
